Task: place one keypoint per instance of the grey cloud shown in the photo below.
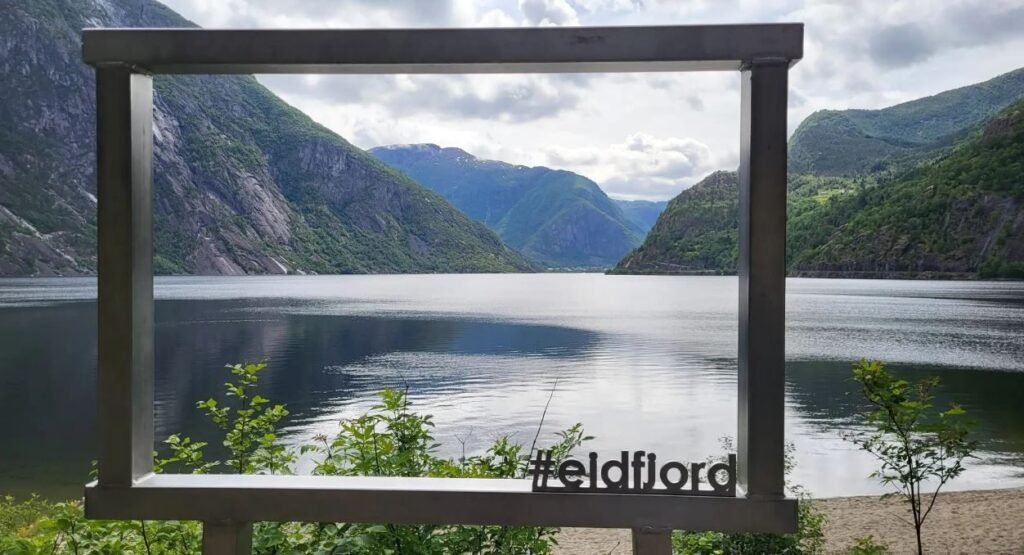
(796, 98)
(529, 99)
(982, 24)
(645, 187)
(695, 103)
(592, 6)
(404, 12)
(526, 101)
(559, 159)
(956, 26)
(548, 12)
(900, 45)
(661, 81)
(850, 42)
(574, 79)
(640, 166)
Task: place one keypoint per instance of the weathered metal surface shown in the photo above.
(401, 500)
(511, 50)
(762, 279)
(126, 488)
(227, 538)
(652, 541)
(124, 175)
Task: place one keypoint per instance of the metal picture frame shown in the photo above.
(125, 61)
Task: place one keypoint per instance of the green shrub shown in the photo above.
(866, 546)
(388, 440)
(809, 537)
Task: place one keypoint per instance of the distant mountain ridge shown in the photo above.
(556, 217)
(851, 142)
(643, 213)
(957, 211)
(243, 182)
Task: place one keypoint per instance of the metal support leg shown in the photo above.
(762, 279)
(652, 541)
(227, 538)
(124, 185)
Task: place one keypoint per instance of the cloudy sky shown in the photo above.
(638, 135)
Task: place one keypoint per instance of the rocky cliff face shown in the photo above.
(243, 182)
(558, 218)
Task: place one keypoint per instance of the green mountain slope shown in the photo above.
(244, 183)
(643, 213)
(850, 142)
(695, 234)
(959, 216)
(555, 217)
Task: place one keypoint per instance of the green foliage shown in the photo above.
(696, 233)
(250, 427)
(957, 215)
(21, 530)
(915, 444)
(388, 440)
(866, 545)
(392, 440)
(808, 539)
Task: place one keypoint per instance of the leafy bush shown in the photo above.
(809, 537)
(388, 440)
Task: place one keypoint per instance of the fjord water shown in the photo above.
(644, 362)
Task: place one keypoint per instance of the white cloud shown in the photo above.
(504, 98)
(641, 166)
(548, 12)
(628, 132)
(330, 13)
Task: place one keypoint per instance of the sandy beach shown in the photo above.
(975, 522)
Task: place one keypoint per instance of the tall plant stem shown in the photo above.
(543, 415)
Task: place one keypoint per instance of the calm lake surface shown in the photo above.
(644, 362)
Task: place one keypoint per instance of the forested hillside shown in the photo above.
(962, 215)
(695, 234)
(957, 213)
(855, 142)
(556, 217)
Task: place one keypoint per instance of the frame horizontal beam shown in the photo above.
(509, 50)
(424, 501)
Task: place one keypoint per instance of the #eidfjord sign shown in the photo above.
(639, 472)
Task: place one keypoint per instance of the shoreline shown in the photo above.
(874, 276)
(972, 521)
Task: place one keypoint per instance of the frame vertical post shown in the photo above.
(124, 185)
(652, 541)
(762, 278)
(227, 538)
